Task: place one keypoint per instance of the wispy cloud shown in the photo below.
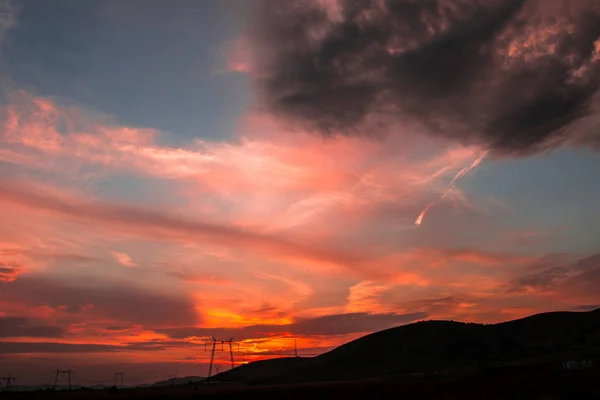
(18, 327)
(197, 277)
(299, 288)
(156, 224)
(8, 19)
(124, 259)
(365, 296)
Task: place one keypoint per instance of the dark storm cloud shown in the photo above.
(581, 276)
(117, 328)
(50, 347)
(54, 347)
(513, 75)
(585, 284)
(330, 325)
(9, 272)
(587, 307)
(22, 327)
(116, 301)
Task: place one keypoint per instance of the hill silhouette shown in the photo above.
(436, 347)
(178, 381)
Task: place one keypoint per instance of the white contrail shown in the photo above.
(451, 185)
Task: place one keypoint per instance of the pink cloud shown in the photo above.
(124, 259)
(282, 171)
(155, 224)
(297, 287)
(193, 277)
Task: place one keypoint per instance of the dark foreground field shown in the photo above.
(506, 384)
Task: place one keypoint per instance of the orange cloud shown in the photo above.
(365, 296)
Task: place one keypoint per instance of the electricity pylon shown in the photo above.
(212, 355)
(8, 379)
(67, 372)
(117, 375)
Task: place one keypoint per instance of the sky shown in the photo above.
(287, 172)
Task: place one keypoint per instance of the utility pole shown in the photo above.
(8, 379)
(117, 375)
(67, 372)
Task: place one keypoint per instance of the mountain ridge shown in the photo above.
(435, 346)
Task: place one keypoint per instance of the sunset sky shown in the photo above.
(175, 170)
